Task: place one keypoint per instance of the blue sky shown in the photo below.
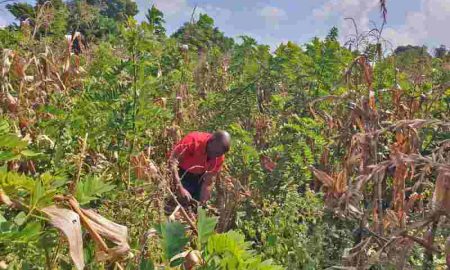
(414, 22)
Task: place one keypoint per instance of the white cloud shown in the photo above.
(429, 25)
(172, 7)
(359, 10)
(2, 22)
(272, 15)
(220, 15)
(425, 26)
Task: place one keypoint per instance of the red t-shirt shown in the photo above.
(192, 149)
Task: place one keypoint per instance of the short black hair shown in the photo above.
(223, 135)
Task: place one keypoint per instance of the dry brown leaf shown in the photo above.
(69, 223)
(447, 252)
(441, 195)
(116, 233)
(323, 177)
(5, 199)
(412, 200)
(340, 185)
(192, 259)
(8, 55)
(11, 102)
(144, 168)
(268, 164)
(391, 219)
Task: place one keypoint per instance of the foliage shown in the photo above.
(203, 35)
(230, 251)
(205, 226)
(172, 238)
(328, 148)
(221, 251)
(21, 11)
(155, 19)
(91, 188)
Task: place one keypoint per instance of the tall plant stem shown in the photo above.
(80, 163)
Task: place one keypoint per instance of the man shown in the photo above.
(194, 162)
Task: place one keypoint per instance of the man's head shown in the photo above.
(219, 144)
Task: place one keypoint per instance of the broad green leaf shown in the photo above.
(29, 153)
(205, 227)
(12, 182)
(173, 238)
(31, 232)
(12, 141)
(8, 155)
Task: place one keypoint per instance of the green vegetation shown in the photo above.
(339, 159)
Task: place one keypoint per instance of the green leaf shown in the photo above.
(37, 193)
(53, 181)
(230, 251)
(4, 127)
(146, 264)
(29, 153)
(13, 182)
(205, 227)
(19, 219)
(173, 238)
(7, 156)
(176, 262)
(271, 240)
(11, 141)
(91, 188)
(2, 219)
(30, 232)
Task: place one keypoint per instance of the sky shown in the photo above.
(415, 22)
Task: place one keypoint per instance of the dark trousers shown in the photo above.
(191, 182)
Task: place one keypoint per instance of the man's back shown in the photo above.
(193, 153)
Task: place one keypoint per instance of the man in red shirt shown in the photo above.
(194, 162)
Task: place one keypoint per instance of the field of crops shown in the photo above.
(340, 154)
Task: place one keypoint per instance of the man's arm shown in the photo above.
(173, 167)
(207, 185)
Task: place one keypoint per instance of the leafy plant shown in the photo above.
(91, 188)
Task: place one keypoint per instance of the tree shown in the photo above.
(414, 60)
(119, 10)
(419, 50)
(202, 34)
(21, 11)
(53, 21)
(59, 15)
(88, 20)
(156, 20)
(333, 34)
(440, 52)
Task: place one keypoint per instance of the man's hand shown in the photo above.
(184, 193)
(207, 185)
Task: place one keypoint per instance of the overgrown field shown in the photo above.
(340, 153)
